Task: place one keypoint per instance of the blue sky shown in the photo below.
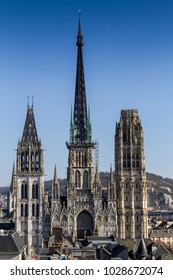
(128, 60)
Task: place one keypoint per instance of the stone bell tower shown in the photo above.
(131, 186)
(30, 185)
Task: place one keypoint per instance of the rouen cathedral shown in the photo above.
(121, 212)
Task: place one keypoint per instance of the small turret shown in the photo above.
(71, 128)
(142, 250)
(13, 178)
(55, 186)
(112, 184)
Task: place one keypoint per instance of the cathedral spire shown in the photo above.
(12, 177)
(30, 131)
(80, 107)
(55, 174)
(55, 185)
(79, 35)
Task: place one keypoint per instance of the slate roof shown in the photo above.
(30, 131)
(129, 243)
(162, 233)
(117, 251)
(100, 238)
(11, 244)
(160, 250)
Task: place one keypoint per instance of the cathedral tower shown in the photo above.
(130, 174)
(86, 207)
(30, 185)
(80, 171)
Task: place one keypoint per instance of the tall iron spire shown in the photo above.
(80, 107)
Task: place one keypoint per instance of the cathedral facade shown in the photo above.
(88, 208)
(84, 210)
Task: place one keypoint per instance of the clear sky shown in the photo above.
(128, 61)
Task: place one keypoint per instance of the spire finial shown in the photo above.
(111, 167)
(28, 101)
(71, 119)
(79, 35)
(55, 173)
(14, 168)
(79, 12)
(32, 101)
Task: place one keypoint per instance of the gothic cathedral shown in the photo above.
(84, 210)
(120, 209)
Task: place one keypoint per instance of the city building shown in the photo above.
(12, 247)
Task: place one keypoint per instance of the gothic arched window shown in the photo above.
(35, 190)
(22, 161)
(32, 161)
(24, 191)
(27, 161)
(37, 161)
(26, 210)
(37, 210)
(33, 209)
(137, 218)
(78, 183)
(85, 179)
(64, 221)
(21, 210)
